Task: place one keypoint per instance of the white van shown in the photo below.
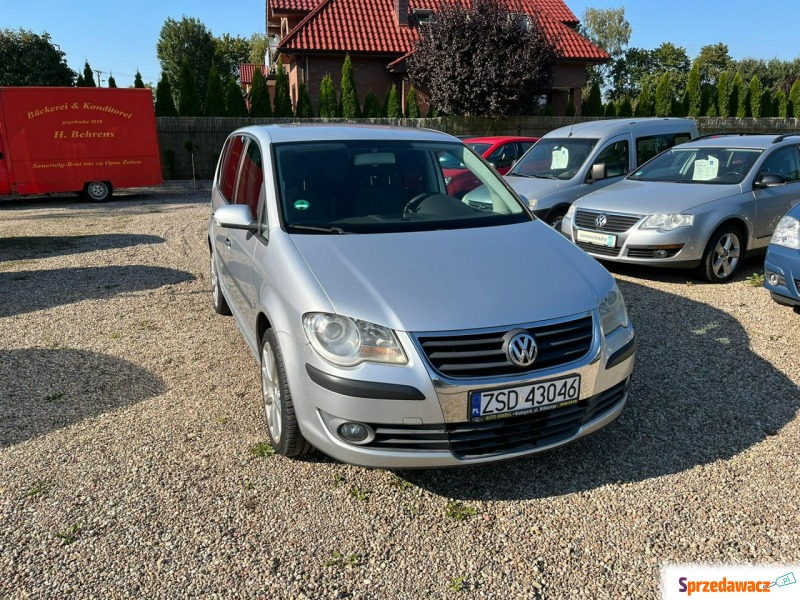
(572, 161)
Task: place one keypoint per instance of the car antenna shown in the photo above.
(571, 125)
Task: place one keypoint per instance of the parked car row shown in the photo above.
(407, 307)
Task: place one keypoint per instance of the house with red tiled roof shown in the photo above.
(379, 35)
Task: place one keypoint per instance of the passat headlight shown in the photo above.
(347, 342)
(787, 233)
(667, 222)
(613, 313)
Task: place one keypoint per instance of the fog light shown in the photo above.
(354, 432)
(773, 279)
(660, 254)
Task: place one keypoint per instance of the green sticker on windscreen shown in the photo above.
(302, 205)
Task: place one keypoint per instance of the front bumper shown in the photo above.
(433, 430)
(784, 264)
(681, 248)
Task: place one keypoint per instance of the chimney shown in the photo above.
(401, 10)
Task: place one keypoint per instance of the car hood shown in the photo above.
(455, 279)
(534, 188)
(648, 197)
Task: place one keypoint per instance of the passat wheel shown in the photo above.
(723, 255)
(98, 191)
(284, 433)
(217, 297)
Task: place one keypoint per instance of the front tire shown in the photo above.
(98, 191)
(555, 218)
(217, 297)
(284, 432)
(723, 255)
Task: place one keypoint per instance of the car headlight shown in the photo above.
(613, 313)
(571, 211)
(667, 222)
(787, 233)
(347, 342)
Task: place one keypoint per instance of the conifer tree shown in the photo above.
(385, 105)
(570, 110)
(372, 106)
(260, 102)
(188, 100)
(304, 108)
(644, 103)
(283, 101)
(328, 106)
(88, 76)
(625, 109)
(594, 103)
(610, 110)
(663, 106)
(137, 80)
(112, 83)
(766, 105)
(79, 81)
(694, 93)
(393, 109)
(349, 95)
(780, 105)
(165, 104)
(723, 95)
(738, 93)
(215, 98)
(412, 107)
(754, 97)
(794, 101)
(235, 105)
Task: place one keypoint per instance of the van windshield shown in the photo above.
(554, 158)
(385, 186)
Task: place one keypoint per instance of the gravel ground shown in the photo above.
(129, 415)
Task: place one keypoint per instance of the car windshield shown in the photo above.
(479, 147)
(706, 165)
(554, 158)
(368, 186)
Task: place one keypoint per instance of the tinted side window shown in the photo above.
(504, 155)
(783, 162)
(251, 176)
(229, 166)
(649, 146)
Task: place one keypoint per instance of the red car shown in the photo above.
(499, 151)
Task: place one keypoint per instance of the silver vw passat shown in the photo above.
(397, 326)
(705, 204)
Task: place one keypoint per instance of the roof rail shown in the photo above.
(783, 136)
(732, 133)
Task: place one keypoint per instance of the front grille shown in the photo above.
(647, 252)
(614, 223)
(481, 354)
(514, 434)
(597, 249)
(797, 284)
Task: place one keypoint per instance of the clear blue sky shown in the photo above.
(119, 37)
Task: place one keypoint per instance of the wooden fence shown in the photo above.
(190, 146)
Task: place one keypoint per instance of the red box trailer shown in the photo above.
(65, 139)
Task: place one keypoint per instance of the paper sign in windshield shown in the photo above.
(705, 169)
(560, 158)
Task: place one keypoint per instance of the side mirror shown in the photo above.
(768, 180)
(235, 216)
(598, 172)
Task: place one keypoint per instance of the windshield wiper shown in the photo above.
(509, 174)
(545, 177)
(318, 229)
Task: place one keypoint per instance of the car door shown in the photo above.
(242, 243)
(224, 195)
(772, 203)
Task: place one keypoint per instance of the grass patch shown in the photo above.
(54, 397)
(40, 488)
(460, 511)
(755, 280)
(400, 483)
(262, 450)
(340, 561)
(69, 535)
(116, 335)
(360, 494)
(456, 584)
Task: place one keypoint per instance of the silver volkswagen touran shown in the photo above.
(397, 326)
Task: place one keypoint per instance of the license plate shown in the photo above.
(598, 239)
(487, 405)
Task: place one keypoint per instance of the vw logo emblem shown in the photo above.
(520, 347)
(601, 220)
